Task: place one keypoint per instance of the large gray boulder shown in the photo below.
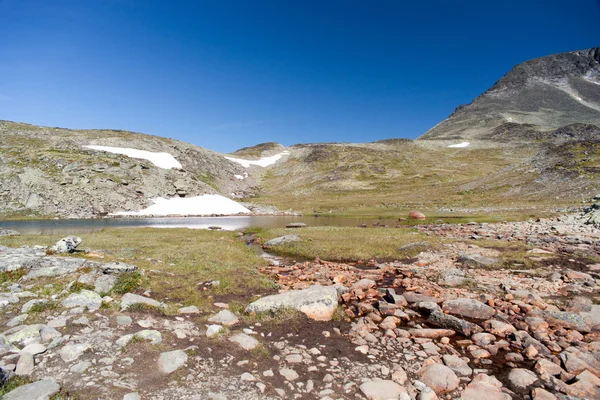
(170, 361)
(317, 302)
(85, 298)
(278, 241)
(40, 390)
(66, 245)
(129, 299)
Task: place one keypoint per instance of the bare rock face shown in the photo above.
(546, 92)
(317, 302)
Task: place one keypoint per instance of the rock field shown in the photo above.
(455, 322)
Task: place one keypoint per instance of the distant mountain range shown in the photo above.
(538, 95)
(530, 141)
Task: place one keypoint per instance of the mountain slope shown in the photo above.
(48, 171)
(538, 95)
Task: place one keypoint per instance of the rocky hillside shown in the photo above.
(538, 95)
(48, 171)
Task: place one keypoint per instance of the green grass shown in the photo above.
(12, 276)
(78, 287)
(42, 307)
(349, 244)
(129, 282)
(176, 262)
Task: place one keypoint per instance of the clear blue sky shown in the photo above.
(225, 74)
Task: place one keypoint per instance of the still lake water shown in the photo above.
(231, 223)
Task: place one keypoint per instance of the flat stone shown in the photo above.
(440, 378)
(521, 378)
(213, 330)
(85, 298)
(457, 364)
(279, 241)
(72, 352)
(478, 261)
(117, 268)
(289, 374)
(34, 349)
(40, 390)
(129, 299)
(132, 396)
(382, 390)
(317, 302)
(80, 367)
(189, 310)
(124, 320)
(244, 341)
(54, 266)
(224, 317)
(484, 387)
(566, 320)
(18, 320)
(57, 322)
(468, 308)
(170, 361)
(27, 332)
(105, 283)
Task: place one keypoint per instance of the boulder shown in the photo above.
(117, 267)
(170, 361)
(381, 390)
(521, 378)
(25, 364)
(85, 298)
(244, 341)
(484, 387)
(129, 299)
(317, 302)
(224, 317)
(478, 261)
(440, 378)
(416, 215)
(72, 352)
(457, 364)
(441, 320)
(468, 308)
(40, 390)
(8, 232)
(105, 283)
(66, 245)
(281, 240)
(431, 333)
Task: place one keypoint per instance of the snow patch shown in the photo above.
(459, 145)
(263, 162)
(207, 204)
(161, 160)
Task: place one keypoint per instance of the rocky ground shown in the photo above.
(458, 321)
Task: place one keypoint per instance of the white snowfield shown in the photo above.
(459, 145)
(161, 160)
(207, 204)
(263, 162)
